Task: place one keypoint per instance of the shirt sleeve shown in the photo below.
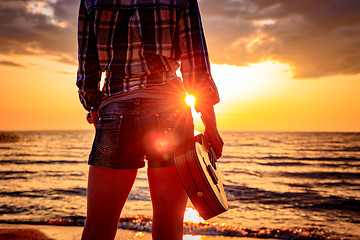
(195, 64)
(88, 74)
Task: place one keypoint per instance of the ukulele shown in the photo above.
(202, 177)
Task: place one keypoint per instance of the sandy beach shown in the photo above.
(46, 232)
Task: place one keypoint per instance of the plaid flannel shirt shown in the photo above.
(139, 43)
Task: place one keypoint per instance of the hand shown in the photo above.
(211, 131)
(92, 118)
(215, 140)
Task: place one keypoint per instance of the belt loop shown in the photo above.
(145, 81)
(108, 74)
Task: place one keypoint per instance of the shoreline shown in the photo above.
(53, 232)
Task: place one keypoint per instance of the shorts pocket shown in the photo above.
(171, 128)
(107, 132)
(168, 122)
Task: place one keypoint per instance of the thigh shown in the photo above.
(108, 190)
(167, 191)
(169, 202)
(109, 187)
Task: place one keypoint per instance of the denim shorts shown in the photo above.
(130, 131)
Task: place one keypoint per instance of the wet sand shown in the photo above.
(45, 232)
(22, 234)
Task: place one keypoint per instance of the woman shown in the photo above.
(140, 112)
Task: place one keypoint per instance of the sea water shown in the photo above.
(302, 185)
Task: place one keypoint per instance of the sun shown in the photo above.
(190, 100)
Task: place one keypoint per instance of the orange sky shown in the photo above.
(278, 67)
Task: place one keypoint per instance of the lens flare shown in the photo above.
(162, 142)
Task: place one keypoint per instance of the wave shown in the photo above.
(73, 191)
(310, 201)
(283, 164)
(58, 193)
(142, 223)
(302, 164)
(272, 158)
(12, 175)
(339, 165)
(341, 183)
(7, 175)
(243, 145)
(321, 175)
(344, 159)
(50, 155)
(335, 149)
(231, 156)
(25, 162)
(5, 148)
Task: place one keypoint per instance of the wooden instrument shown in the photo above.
(202, 177)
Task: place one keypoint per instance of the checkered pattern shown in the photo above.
(140, 43)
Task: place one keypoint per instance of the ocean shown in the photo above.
(281, 185)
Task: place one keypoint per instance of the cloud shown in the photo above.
(39, 27)
(65, 73)
(317, 38)
(10, 63)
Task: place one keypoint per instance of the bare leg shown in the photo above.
(108, 190)
(169, 200)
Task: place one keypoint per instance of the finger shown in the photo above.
(94, 115)
(217, 144)
(218, 151)
(90, 120)
(220, 145)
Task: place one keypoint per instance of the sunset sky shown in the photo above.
(280, 65)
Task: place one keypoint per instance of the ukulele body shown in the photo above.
(202, 177)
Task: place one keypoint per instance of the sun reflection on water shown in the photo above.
(139, 234)
(191, 237)
(191, 215)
